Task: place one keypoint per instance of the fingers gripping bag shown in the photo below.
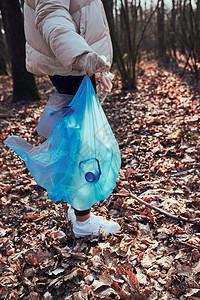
(80, 160)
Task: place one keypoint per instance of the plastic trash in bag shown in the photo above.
(80, 160)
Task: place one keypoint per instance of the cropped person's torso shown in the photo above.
(89, 20)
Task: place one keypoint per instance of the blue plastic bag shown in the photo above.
(80, 160)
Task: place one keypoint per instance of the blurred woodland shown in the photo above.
(169, 33)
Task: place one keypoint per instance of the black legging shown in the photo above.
(69, 85)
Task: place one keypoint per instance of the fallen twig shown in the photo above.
(188, 244)
(178, 218)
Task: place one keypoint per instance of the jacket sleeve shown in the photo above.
(58, 29)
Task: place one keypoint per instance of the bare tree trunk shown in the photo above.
(173, 30)
(3, 54)
(161, 32)
(24, 87)
(189, 34)
(108, 5)
(197, 17)
(128, 50)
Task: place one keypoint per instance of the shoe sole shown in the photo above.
(77, 236)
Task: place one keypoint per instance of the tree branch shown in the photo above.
(178, 218)
(144, 29)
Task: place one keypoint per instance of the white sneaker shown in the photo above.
(71, 214)
(95, 225)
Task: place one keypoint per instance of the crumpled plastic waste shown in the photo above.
(80, 160)
(104, 86)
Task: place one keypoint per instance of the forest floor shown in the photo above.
(153, 256)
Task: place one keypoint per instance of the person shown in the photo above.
(66, 39)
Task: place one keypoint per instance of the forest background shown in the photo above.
(154, 111)
(168, 33)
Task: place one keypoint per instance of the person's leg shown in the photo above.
(69, 85)
(82, 215)
(84, 222)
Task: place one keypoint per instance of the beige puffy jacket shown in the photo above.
(58, 31)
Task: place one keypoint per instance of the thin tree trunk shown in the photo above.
(108, 5)
(24, 87)
(197, 18)
(173, 30)
(161, 32)
(3, 56)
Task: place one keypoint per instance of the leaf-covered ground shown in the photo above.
(153, 256)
